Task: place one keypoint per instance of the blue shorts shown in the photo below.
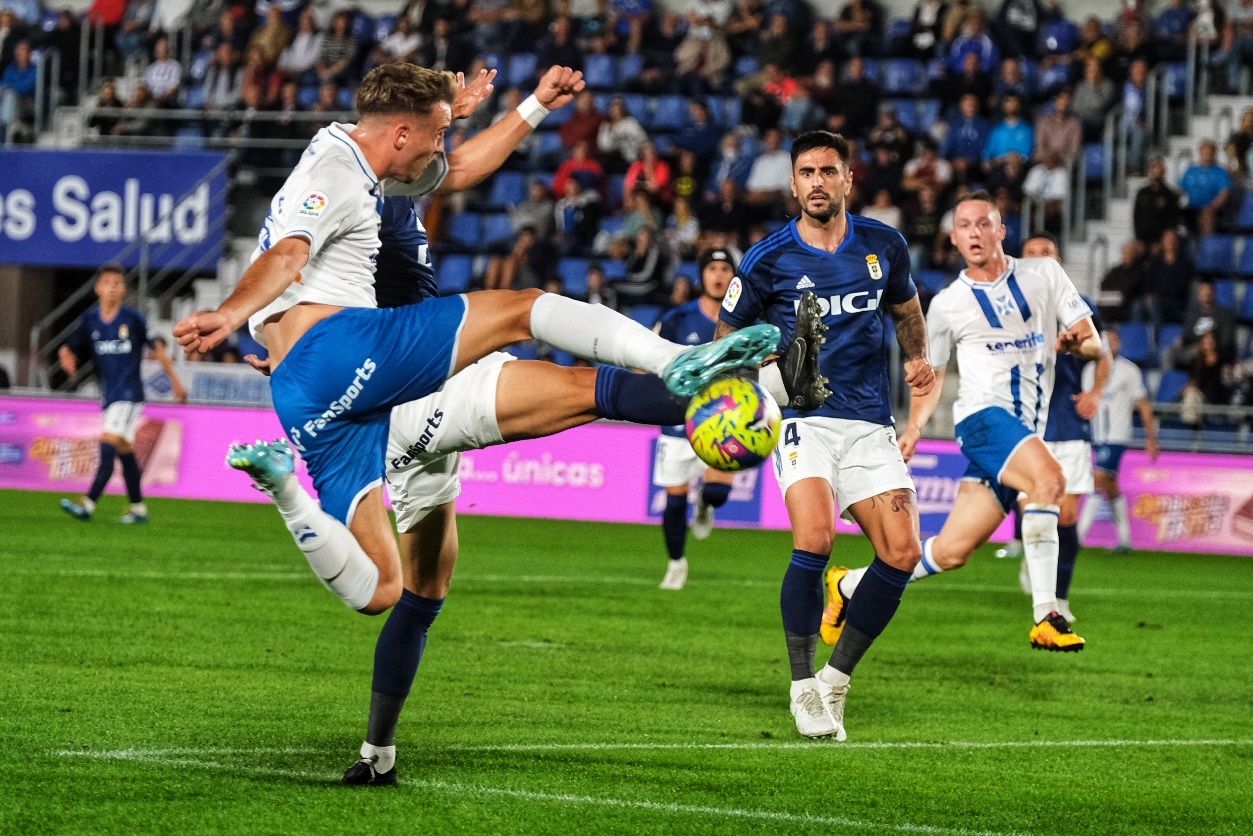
(988, 439)
(1109, 457)
(335, 390)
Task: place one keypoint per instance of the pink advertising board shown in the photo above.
(601, 472)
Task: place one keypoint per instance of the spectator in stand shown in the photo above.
(727, 214)
(559, 48)
(770, 178)
(967, 138)
(922, 228)
(744, 27)
(682, 230)
(107, 98)
(328, 98)
(1094, 44)
(657, 40)
(859, 28)
(732, 164)
(536, 212)
(971, 81)
(445, 50)
(1011, 135)
(164, 76)
(1017, 24)
(974, 38)
(1094, 96)
(686, 180)
(288, 127)
(228, 28)
(928, 170)
(641, 211)
(576, 218)
(1206, 316)
(1208, 381)
(29, 12)
(1009, 174)
(703, 56)
(11, 31)
(700, 135)
(176, 15)
(883, 174)
(802, 113)
(1122, 283)
(581, 166)
(1012, 81)
(650, 173)
(339, 51)
(298, 59)
(401, 45)
(1135, 93)
(780, 46)
(584, 122)
(646, 266)
(599, 291)
(529, 264)
(1059, 132)
(1131, 14)
(17, 95)
(272, 37)
(1239, 36)
(1048, 182)
(926, 28)
(859, 100)
(619, 137)
(66, 38)
(1156, 206)
(132, 33)
(1206, 186)
(889, 131)
(261, 78)
(1132, 45)
(108, 15)
(884, 210)
(1241, 138)
(1167, 277)
(223, 85)
(823, 89)
(1170, 30)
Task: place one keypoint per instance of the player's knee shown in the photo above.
(385, 597)
(949, 554)
(903, 555)
(816, 538)
(1049, 487)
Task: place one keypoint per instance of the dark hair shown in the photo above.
(981, 194)
(820, 139)
(1045, 235)
(111, 267)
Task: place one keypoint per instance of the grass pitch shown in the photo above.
(192, 677)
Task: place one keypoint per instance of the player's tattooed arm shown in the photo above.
(723, 329)
(911, 333)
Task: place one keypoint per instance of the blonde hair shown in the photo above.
(404, 88)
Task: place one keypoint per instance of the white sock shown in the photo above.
(139, 509)
(833, 677)
(848, 583)
(88, 503)
(801, 685)
(1087, 516)
(1039, 548)
(383, 757)
(771, 379)
(333, 553)
(1122, 520)
(926, 566)
(597, 333)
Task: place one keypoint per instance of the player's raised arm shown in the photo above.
(1089, 400)
(262, 283)
(911, 333)
(487, 151)
(163, 357)
(1081, 340)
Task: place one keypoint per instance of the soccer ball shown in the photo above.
(733, 424)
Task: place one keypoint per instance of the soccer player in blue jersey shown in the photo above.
(676, 465)
(1068, 436)
(115, 336)
(843, 456)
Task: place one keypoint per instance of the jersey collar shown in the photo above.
(794, 226)
(339, 133)
(1009, 271)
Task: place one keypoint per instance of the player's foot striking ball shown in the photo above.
(697, 367)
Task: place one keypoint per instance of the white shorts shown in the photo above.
(427, 436)
(676, 462)
(121, 418)
(1075, 457)
(858, 459)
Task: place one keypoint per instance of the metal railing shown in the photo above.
(178, 118)
(1099, 244)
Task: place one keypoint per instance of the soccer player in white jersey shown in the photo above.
(1007, 318)
(339, 364)
(1112, 434)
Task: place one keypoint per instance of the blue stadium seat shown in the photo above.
(614, 270)
(1225, 292)
(929, 112)
(521, 71)
(1245, 267)
(899, 29)
(454, 273)
(465, 230)
(1245, 311)
(1054, 78)
(903, 77)
(1136, 345)
(1244, 218)
(508, 188)
(933, 280)
(1167, 336)
(746, 65)
(630, 66)
(1176, 79)
(200, 64)
(194, 97)
(1216, 254)
(494, 61)
(601, 72)
(363, 27)
(497, 230)
(384, 26)
(615, 192)
(691, 269)
(573, 273)
(346, 98)
(613, 224)
(307, 97)
(646, 315)
(1170, 386)
(550, 141)
(907, 113)
(1094, 160)
(1059, 37)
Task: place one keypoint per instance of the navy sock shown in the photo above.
(715, 494)
(1017, 523)
(674, 524)
(103, 473)
(401, 642)
(872, 606)
(800, 598)
(1067, 551)
(131, 473)
(641, 398)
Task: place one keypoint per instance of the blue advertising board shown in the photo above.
(82, 208)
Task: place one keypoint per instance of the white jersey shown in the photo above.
(1005, 332)
(333, 200)
(1112, 422)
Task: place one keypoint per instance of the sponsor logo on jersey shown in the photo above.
(1028, 343)
(313, 205)
(805, 283)
(875, 268)
(733, 294)
(863, 301)
(103, 347)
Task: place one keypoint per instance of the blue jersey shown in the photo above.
(404, 274)
(1064, 423)
(854, 284)
(117, 347)
(686, 325)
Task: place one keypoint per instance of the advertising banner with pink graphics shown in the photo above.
(601, 472)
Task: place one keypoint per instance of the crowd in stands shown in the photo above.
(681, 140)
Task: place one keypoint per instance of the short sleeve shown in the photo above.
(1069, 304)
(901, 287)
(318, 208)
(746, 295)
(939, 335)
(1138, 389)
(143, 338)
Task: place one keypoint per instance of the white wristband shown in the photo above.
(532, 111)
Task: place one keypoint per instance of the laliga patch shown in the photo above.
(733, 294)
(313, 205)
(876, 269)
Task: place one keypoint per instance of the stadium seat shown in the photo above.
(194, 98)
(1225, 292)
(508, 188)
(521, 70)
(573, 273)
(612, 225)
(746, 65)
(498, 232)
(464, 231)
(1245, 310)
(1175, 79)
(1136, 345)
(384, 26)
(307, 97)
(1245, 267)
(1170, 386)
(630, 66)
(1059, 37)
(1216, 254)
(200, 65)
(933, 280)
(1244, 218)
(669, 113)
(454, 273)
(616, 191)
(1167, 336)
(614, 270)
(646, 315)
(363, 28)
(929, 112)
(550, 142)
(346, 98)
(1054, 78)
(907, 114)
(1094, 161)
(903, 77)
(601, 72)
(691, 269)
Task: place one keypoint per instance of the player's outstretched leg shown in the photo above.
(86, 505)
(137, 514)
(714, 493)
(332, 551)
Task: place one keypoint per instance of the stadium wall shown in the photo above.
(601, 472)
